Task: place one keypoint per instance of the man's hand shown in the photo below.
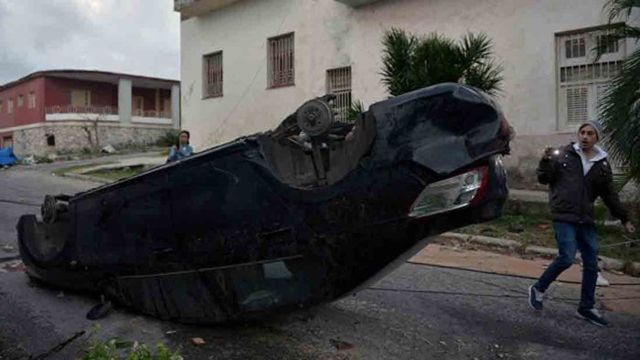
(629, 227)
(550, 152)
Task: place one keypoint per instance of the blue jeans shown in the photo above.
(569, 238)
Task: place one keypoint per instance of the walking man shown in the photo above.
(577, 174)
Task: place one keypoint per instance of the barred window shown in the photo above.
(339, 83)
(213, 75)
(280, 57)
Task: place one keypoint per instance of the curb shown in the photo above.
(607, 263)
(86, 178)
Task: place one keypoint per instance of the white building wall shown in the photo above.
(329, 34)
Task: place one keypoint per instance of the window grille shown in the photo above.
(339, 83)
(280, 56)
(213, 75)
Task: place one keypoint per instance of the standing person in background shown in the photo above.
(577, 174)
(181, 149)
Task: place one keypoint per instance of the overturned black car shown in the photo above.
(279, 220)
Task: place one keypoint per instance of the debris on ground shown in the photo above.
(28, 160)
(197, 341)
(108, 149)
(14, 266)
(8, 248)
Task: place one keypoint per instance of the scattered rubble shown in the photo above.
(14, 266)
(108, 149)
(197, 341)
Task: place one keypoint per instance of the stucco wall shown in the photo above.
(329, 34)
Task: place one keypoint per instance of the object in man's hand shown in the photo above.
(550, 152)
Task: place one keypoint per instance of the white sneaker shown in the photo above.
(601, 281)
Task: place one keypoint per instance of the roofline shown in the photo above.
(53, 73)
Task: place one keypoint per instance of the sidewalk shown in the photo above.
(82, 172)
(622, 296)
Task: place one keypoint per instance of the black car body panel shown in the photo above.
(259, 225)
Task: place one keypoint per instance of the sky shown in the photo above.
(139, 37)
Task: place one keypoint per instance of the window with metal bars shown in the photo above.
(280, 61)
(339, 83)
(213, 75)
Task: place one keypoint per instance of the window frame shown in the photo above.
(289, 62)
(343, 90)
(31, 100)
(206, 86)
(591, 72)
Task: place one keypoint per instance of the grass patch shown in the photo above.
(538, 230)
(75, 169)
(118, 173)
(114, 349)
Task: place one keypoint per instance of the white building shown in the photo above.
(246, 64)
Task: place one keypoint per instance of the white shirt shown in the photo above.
(588, 163)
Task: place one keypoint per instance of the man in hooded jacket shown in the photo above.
(577, 174)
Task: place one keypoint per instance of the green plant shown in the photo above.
(356, 108)
(113, 349)
(169, 138)
(620, 107)
(410, 62)
(42, 159)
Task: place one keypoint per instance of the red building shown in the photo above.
(51, 111)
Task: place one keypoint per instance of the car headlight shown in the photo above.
(451, 193)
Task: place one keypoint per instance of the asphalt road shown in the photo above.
(416, 312)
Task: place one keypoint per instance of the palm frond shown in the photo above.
(485, 76)
(397, 60)
(475, 49)
(409, 62)
(436, 60)
(356, 108)
(615, 32)
(620, 115)
(619, 8)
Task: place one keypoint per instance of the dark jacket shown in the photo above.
(572, 194)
